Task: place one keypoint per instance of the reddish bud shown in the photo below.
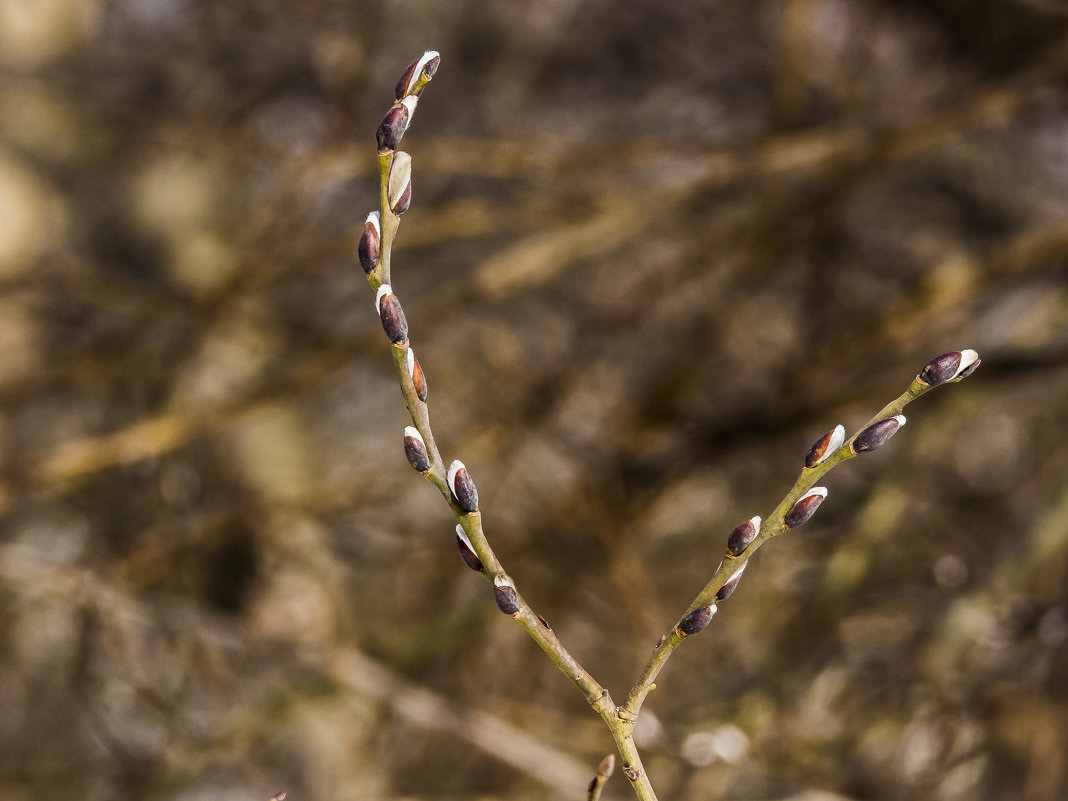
(805, 507)
(467, 550)
(415, 373)
(370, 242)
(742, 535)
(607, 767)
(394, 124)
(825, 446)
(418, 74)
(389, 309)
(462, 486)
(948, 366)
(730, 584)
(696, 620)
(877, 434)
(415, 449)
(400, 183)
(506, 596)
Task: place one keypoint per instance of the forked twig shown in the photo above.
(459, 491)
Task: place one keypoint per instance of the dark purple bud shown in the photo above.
(805, 507)
(742, 535)
(697, 620)
(415, 449)
(825, 446)
(730, 584)
(370, 242)
(394, 124)
(955, 364)
(389, 309)
(400, 183)
(506, 596)
(418, 74)
(467, 550)
(415, 373)
(462, 486)
(877, 434)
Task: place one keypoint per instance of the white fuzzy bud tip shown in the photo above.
(383, 291)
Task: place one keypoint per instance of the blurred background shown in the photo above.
(655, 251)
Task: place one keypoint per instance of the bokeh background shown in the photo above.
(655, 250)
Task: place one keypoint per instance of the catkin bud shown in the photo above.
(467, 550)
(394, 124)
(730, 584)
(400, 183)
(462, 486)
(370, 243)
(825, 446)
(389, 309)
(607, 767)
(418, 74)
(877, 434)
(696, 620)
(805, 507)
(415, 449)
(505, 595)
(948, 366)
(742, 535)
(415, 373)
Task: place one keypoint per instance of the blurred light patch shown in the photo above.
(30, 218)
(34, 31)
(727, 744)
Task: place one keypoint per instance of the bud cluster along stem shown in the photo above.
(460, 493)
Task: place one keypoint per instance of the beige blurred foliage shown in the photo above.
(655, 250)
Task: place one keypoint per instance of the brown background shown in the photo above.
(655, 250)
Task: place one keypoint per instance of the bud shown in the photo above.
(697, 620)
(415, 449)
(877, 434)
(607, 766)
(825, 446)
(505, 595)
(389, 309)
(400, 183)
(742, 535)
(463, 488)
(948, 366)
(370, 243)
(467, 550)
(415, 373)
(418, 74)
(394, 124)
(805, 507)
(731, 584)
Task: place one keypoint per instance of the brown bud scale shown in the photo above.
(394, 322)
(462, 486)
(941, 368)
(368, 249)
(415, 452)
(877, 434)
(391, 129)
(507, 599)
(742, 536)
(801, 512)
(696, 621)
(467, 553)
